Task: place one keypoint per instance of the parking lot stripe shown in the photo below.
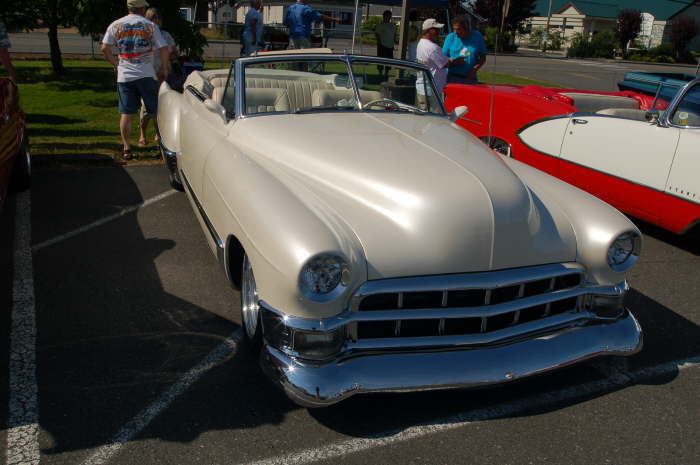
(539, 401)
(100, 222)
(140, 421)
(23, 414)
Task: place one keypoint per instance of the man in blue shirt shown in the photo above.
(468, 44)
(298, 19)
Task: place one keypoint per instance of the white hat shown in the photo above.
(431, 23)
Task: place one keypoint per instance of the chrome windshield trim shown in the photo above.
(241, 64)
(673, 106)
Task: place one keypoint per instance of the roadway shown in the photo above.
(600, 75)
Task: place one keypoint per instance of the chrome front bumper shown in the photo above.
(322, 384)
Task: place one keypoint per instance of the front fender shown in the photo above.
(169, 111)
(595, 223)
(281, 225)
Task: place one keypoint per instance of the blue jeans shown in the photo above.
(132, 92)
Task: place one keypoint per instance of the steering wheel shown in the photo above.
(387, 103)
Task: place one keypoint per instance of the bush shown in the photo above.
(601, 45)
(645, 57)
(505, 40)
(554, 40)
(367, 31)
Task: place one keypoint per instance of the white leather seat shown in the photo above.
(326, 98)
(298, 90)
(266, 100)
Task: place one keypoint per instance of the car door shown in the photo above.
(201, 129)
(624, 161)
(682, 206)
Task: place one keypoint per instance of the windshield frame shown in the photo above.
(239, 66)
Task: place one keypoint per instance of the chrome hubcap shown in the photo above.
(249, 299)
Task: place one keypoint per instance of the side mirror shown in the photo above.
(214, 107)
(458, 112)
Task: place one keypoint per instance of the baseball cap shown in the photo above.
(136, 3)
(431, 23)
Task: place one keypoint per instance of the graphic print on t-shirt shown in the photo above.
(135, 41)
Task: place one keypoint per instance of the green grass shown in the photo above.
(76, 114)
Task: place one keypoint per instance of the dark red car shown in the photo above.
(15, 161)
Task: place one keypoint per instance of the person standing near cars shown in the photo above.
(430, 54)
(468, 44)
(298, 19)
(5, 53)
(253, 28)
(154, 15)
(136, 39)
(385, 33)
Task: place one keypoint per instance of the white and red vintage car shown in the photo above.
(636, 152)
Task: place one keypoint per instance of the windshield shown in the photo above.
(299, 86)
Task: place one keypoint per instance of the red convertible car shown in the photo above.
(637, 152)
(15, 162)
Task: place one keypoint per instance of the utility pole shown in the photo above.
(403, 31)
(546, 29)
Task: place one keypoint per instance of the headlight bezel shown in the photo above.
(632, 256)
(341, 284)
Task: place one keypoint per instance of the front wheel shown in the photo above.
(498, 145)
(22, 172)
(250, 308)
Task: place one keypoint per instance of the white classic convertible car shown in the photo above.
(378, 246)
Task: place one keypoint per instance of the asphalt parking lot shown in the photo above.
(121, 345)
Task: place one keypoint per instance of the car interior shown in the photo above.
(271, 90)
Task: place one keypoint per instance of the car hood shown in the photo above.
(422, 196)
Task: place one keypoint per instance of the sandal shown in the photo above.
(126, 154)
(143, 143)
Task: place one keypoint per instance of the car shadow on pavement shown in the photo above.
(689, 242)
(127, 308)
(668, 338)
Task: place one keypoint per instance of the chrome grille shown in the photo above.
(467, 309)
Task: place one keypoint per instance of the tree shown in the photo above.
(629, 23)
(492, 10)
(683, 31)
(93, 17)
(50, 14)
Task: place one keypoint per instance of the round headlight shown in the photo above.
(324, 277)
(624, 251)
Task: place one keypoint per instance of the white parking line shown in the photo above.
(140, 421)
(100, 222)
(23, 414)
(331, 451)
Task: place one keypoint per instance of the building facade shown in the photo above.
(570, 17)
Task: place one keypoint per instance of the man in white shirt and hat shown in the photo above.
(430, 54)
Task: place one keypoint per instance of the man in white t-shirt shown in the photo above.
(137, 39)
(430, 54)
